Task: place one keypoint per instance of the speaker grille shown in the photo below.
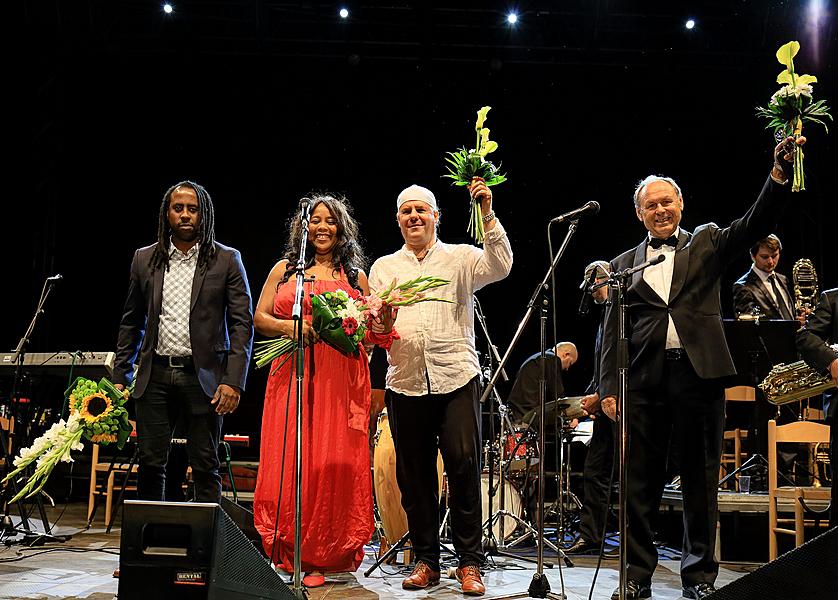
(238, 570)
(809, 572)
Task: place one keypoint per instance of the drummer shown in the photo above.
(524, 396)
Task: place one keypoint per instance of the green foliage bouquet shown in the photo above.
(343, 320)
(466, 164)
(791, 106)
(97, 413)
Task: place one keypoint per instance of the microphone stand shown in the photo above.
(618, 282)
(297, 316)
(496, 545)
(539, 586)
(6, 452)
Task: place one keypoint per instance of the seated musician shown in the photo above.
(813, 341)
(524, 395)
(762, 290)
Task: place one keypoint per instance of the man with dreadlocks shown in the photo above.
(188, 323)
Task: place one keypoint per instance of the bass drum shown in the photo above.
(388, 496)
(512, 503)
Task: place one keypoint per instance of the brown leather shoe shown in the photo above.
(423, 576)
(469, 578)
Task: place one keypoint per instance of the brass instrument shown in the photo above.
(793, 382)
(805, 285)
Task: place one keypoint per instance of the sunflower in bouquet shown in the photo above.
(343, 320)
(97, 413)
(467, 163)
(793, 105)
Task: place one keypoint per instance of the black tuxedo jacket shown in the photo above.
(812, 340)
(749, 290)
(700, 259)
(220, 321)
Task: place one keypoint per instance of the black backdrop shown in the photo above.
(263, 101)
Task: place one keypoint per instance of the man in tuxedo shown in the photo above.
(677, 355)
(762, 290)
(813, 341)
(188, 323)
(600, 457)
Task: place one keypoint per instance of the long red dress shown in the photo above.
(337, 504)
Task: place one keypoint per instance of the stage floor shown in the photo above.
(83, 568)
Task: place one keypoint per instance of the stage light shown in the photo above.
(512, 18)
(344, 13)
(167, 8)
(690, 24)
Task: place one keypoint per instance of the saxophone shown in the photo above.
(796, 381)
(805, 285)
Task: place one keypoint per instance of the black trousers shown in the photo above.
(420, 425)
(174, 393)
(598, 465)
(688, 409)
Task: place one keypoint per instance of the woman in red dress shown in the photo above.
(337, 505)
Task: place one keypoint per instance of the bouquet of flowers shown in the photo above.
(97, 413)
(792, 105)
(466, 164)
(342, 321)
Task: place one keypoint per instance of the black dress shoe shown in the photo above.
(698, 591)
(583, 546)
(634, 590)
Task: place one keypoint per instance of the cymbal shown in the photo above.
(550, 408)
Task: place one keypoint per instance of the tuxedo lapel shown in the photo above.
(682, 262)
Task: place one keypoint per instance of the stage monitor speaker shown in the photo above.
(191, 550)
(808, 572)
(243, 518)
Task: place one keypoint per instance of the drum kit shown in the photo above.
(506, 481)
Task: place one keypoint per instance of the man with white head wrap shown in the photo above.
(432, 380)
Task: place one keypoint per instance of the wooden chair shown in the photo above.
(7, 424)
(800, 431)
(109, 469)
(733, 459)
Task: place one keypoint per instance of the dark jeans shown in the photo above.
(598, 465)
(690, 410)
(450, 422)
(173, 394)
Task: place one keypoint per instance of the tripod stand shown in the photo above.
(539, 587)
(30, 537)
(496, 545)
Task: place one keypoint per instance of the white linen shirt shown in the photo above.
(436, 352)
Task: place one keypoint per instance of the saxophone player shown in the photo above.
(813, 341)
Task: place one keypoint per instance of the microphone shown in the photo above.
(55, 278)
(305, 211)
(585, 302)
(590, 208)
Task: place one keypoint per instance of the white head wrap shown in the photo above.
(417, 192)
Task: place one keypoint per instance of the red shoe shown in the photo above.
(422, 577)
(313, 579)
(469, 578)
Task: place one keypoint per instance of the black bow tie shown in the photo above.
(656, 243)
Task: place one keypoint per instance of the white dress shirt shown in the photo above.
(436, 352)
(659, 278)
(764, 277)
